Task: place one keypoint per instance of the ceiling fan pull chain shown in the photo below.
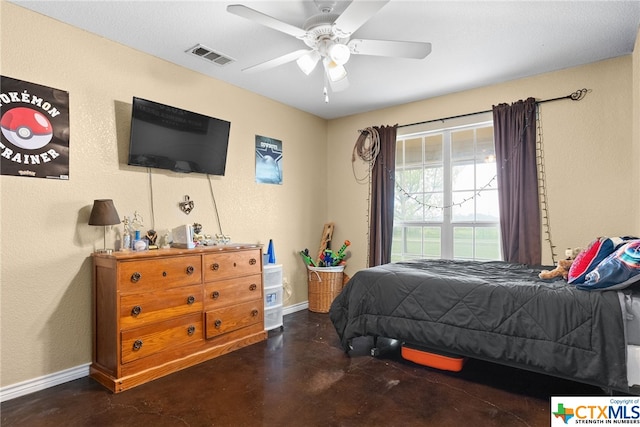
(325, 91)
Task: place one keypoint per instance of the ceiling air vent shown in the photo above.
(210, 55)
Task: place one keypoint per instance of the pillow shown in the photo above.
(590, 257)
(617, 271)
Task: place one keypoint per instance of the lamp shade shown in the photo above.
(104, 213)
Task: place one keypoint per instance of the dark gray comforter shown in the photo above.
(489, 310)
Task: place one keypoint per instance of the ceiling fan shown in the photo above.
(328, 38)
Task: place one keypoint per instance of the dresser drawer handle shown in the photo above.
(137, 345)
(217, 323)
(191, 299)
(135, 311)
(215, 266)
(164, 274)
(215, 295)
(252, 261)
(191, 330)
(254, 313)
(190, 270)
(135, 277)
(253, 287)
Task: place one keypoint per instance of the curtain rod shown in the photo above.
(575, 96)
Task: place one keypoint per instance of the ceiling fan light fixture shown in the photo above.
(328, 36)
(339, 53)
(308, 61)
(335, 72)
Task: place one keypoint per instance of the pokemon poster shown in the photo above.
(35, 130)
(268, 160)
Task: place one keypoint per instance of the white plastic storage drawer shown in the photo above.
(272, 274)
(272, 296)
(273, 318)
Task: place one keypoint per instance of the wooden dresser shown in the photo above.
(156, 312)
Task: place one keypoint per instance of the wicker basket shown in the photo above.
(325, 283)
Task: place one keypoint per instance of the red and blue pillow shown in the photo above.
(589, 258)
(617, 271)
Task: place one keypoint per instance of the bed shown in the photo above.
(499, 312)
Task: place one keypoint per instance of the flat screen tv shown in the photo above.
(166, 137)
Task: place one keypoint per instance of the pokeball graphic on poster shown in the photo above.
(26, 128)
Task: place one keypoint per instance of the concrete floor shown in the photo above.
(301, 377)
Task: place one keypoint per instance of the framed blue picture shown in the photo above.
(268, 160)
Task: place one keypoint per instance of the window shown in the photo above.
(446, 196)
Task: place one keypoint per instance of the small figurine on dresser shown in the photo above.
(139, 244)
(197, 237)
(136, 223)
(126, 236)
(152, 237)
(165, 241)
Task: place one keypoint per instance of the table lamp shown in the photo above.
(104, 213)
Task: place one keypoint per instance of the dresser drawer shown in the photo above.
(142, 308)
(156, 337)
(229, 319)
(226, 265)
(232, 291)
(159, 273)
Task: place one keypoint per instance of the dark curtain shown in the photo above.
(382, 198)
(515, 139)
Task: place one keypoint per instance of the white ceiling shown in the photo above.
(474, 43)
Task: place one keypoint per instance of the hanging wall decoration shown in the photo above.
(35, 130)
(268, 160)
(187, 205)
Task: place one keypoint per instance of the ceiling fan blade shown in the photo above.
(266, 20)
(397, 49)
(355, 15)
(340, 85)
(272, 63)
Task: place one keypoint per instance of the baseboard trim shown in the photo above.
(31, 386)
(290, 309)
(36, 384)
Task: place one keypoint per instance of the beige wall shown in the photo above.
(587, 145)
(635, 91)
(45, 240)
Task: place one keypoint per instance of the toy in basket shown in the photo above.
(328, 258)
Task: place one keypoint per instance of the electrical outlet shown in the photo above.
(286, 289)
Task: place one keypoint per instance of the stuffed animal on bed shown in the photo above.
(562, 269)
